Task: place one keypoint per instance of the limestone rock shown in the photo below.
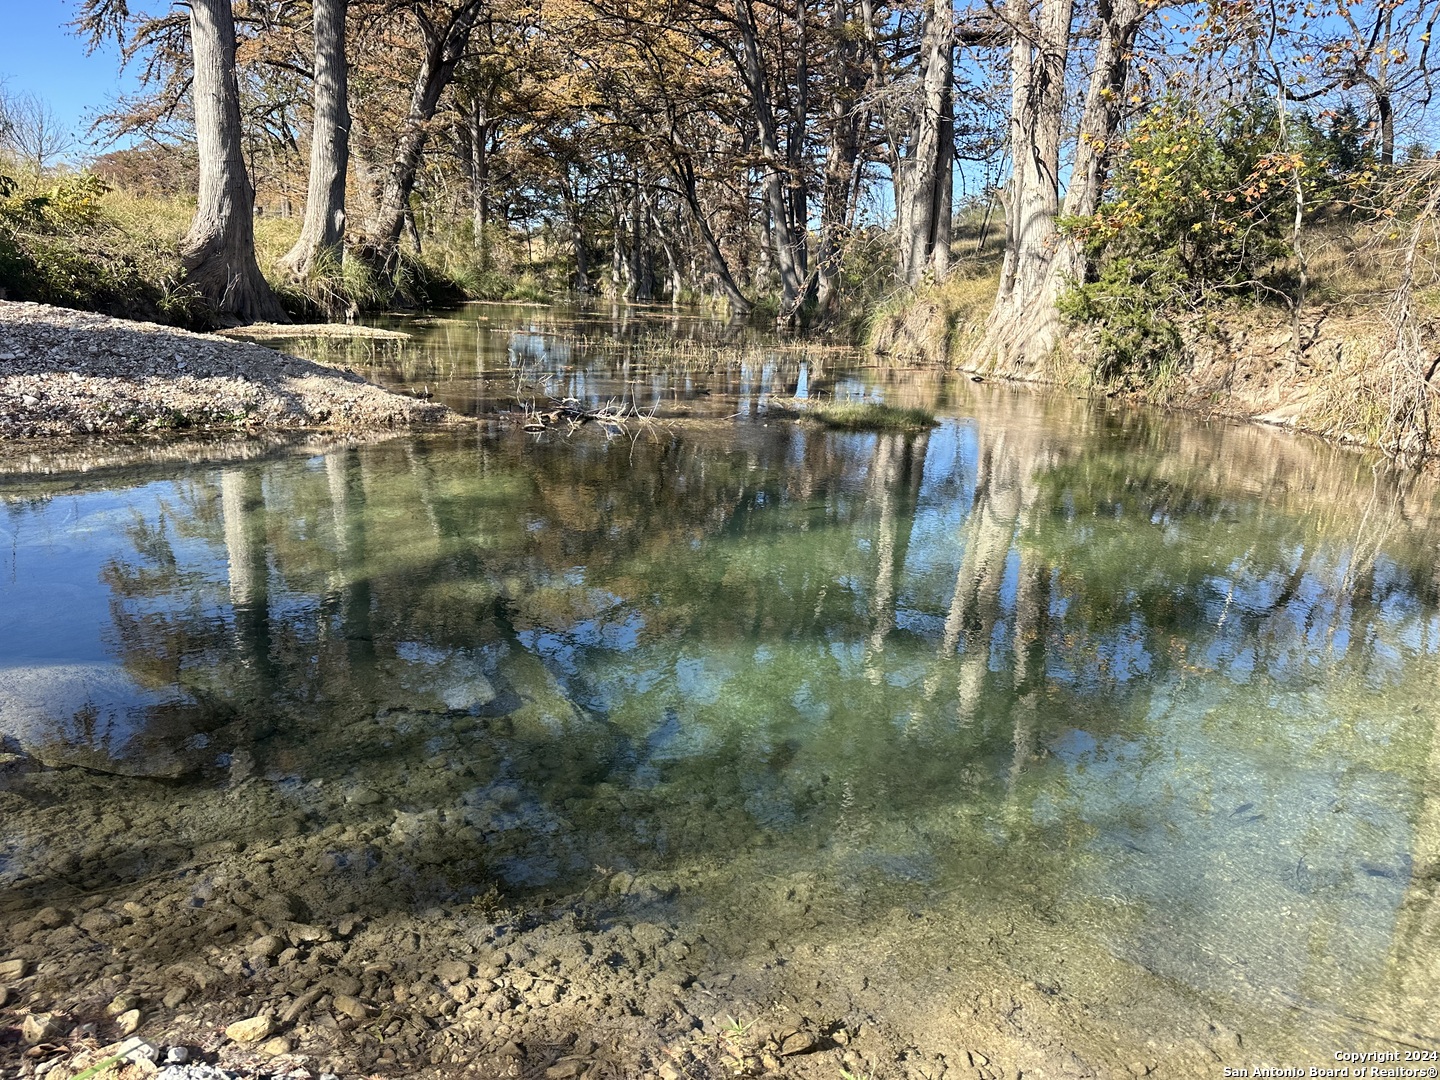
(40, 1027)
(474, 693)
(453, 971)
(128, 1022)
(267, 946)
(351, 1007)
(253, 1030)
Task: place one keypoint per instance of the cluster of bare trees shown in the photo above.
(744, 147)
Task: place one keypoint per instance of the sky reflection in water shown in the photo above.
(1172, 685)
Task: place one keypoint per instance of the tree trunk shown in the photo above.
(842, 149)
(323, 232)
(619, 267)
(1386, 110)
(1099, 125)
(774, 178)
(924, 177)
(219, 251)
(445, 44)
(795, 145)
(684, 173)
(642, 270)
(473, 149)
(672, 259)
(1024, 325)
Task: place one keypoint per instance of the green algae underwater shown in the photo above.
(1127, 710)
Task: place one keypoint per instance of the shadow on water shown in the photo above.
(1168, 690)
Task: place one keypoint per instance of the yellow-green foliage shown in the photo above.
(71, 241)
(937, 321)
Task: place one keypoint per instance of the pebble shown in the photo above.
(40, 1027)
(251, 1030)
(14, 969)
(351, 1007)
(127, 1023)
(175, 996)
(197, 1071)
(276, 1046)
(177, 1055)
(364, 796)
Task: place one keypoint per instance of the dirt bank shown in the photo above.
(66, 372)
(1241, 363)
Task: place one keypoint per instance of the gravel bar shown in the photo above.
(65, 372)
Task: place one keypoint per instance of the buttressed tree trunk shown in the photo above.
(219, 251)
(323, 231)
(1039, 262)
(925, 176)
(1024, 325)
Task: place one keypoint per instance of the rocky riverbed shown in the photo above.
(344, 901)
(65, 372)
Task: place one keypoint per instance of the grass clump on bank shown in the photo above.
(72, 240)
(71, 243)
(868, 416)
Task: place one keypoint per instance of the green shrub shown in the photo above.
(1200, 209)
(60, 245)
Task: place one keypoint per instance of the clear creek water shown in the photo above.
(1161, 694)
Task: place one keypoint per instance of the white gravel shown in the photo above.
(65, 372)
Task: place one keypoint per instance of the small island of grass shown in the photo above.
(867, 416)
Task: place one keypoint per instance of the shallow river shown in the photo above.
(1131, 707)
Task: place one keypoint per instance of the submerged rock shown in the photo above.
(474, 693)
(98, 717)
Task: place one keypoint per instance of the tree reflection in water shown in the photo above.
(1173, 683)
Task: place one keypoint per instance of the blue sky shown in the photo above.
(39, 55)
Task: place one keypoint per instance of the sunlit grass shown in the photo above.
(869, 416)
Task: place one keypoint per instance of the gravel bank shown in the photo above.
(66, 372)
